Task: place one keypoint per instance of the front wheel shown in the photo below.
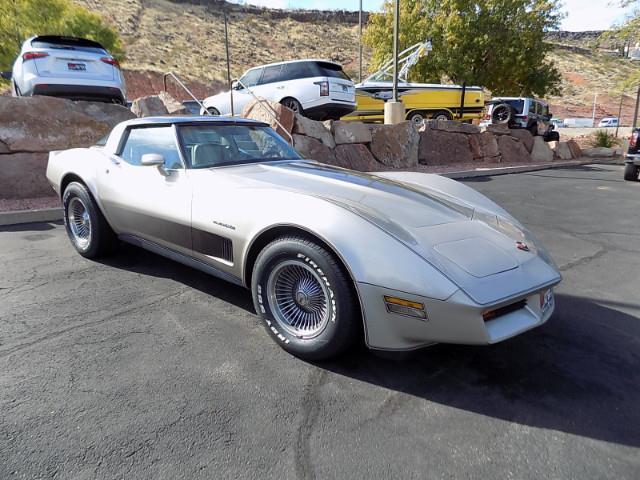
(631, 172)
(88, 230)
(304, 298)
(417, 118)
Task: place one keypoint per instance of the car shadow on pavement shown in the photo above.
(138, 260)
(576, 374)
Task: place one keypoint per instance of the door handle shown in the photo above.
(114, 160)
(280, 87)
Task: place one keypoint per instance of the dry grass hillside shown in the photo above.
(187, 36)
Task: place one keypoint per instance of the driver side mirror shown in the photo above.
(236, 86)
(154, 160)
(6, 75)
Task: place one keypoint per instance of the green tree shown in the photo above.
(497, 44)
(21, 19)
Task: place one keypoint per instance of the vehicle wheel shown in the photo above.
(502, 114)
(631, 172)
(87, 228)
(305, 299)
(292, 104)
(417, 118)
(213, 111)
(442, 115)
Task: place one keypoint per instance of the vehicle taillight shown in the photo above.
(525, 118)
(33, 55)
(111, 61)
(487, 117)
(324, 89)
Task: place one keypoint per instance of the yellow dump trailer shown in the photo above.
(421, 101)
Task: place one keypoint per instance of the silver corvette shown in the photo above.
(399, 260)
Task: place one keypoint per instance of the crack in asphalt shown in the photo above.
(310, 412)
(583, 260)
(111, 316)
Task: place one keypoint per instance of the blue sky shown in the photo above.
(581, 14)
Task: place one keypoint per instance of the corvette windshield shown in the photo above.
(206, 146)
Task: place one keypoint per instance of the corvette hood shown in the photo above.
(471, 245)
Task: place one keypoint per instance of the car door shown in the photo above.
(148, 202)
(270, 85)
(241, 95)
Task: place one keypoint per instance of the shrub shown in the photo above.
(603, 138)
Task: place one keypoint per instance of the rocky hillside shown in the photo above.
(187, 36)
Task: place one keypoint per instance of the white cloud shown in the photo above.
(591, 14)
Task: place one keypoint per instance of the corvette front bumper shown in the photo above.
(455, 320)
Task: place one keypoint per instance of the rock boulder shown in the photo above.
(149, 106)
(356, 156)
(22, 175)
(599, 152)
(311, 128)
(512, 150)
(438, 147)
(484, 147)
(313, 149)
(350, 132)
(524, 136)
(262, 111)
(576, 151)
(541, 153)
(452, 126)
(561, 150)
(395, 146)
(42, 124)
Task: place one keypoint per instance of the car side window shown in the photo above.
(271, 74)
(151, 140)
(532, 107)
(543, 110)
(296, 70)
(250, 79)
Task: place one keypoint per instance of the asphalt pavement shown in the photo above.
(136, 367)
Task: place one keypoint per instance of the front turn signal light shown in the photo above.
(405, 307)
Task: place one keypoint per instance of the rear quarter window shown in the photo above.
(293, 71)
(327, 69)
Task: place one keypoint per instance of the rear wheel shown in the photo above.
(631, 172)
(213, 111)
(292, 104)
(442, 115)
(304, 298)
(88, 230)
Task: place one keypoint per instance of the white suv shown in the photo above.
(318, 89)
(67, 67)
(521, 112)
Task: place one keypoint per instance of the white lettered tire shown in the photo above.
(305, 299)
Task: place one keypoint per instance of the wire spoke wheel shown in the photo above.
(299, 299)
(79, 222)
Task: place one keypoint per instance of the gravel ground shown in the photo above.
(137, 367)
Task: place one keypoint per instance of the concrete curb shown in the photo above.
(527, 168)
(30, 216)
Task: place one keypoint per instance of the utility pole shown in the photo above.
(226, 45)
(396, 28)
(394, 109)
(619, 113)
(360, 43)
(635, 113)
(593, 115)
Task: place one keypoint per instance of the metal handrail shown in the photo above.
(184, 87)
(270, 111)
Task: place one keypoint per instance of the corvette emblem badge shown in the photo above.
(522, 246)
